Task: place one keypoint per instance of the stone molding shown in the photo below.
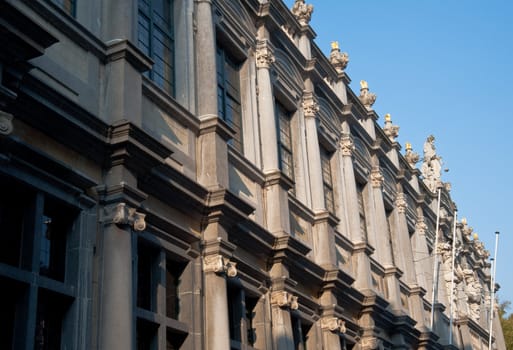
(302, 12)
(6, 127)
(220, 265)
(400, 203)
(264, 55)
(333, 324)
(123, 215)
(284, 300)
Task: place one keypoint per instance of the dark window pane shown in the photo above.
(146, 277)
(50, 312)
(174, 340)
(146, 335)
(174, 271)
(13, 203)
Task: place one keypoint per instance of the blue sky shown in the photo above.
(441, 67)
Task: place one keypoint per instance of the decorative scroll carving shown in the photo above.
(334, 324)
(366, 97)
(310, 105)
(284, 300)
(6, 127)
(264, 56)
(338, 59)
(432, 165)
(392, 131)
(377, 178)
(347, 146)
(302, 12)
(124, 215)
(400, 203)
(411, 157)
(220, 265)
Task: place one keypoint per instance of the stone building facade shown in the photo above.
(196, 174)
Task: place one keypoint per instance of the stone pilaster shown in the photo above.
(281, 304)
(212, 159)
(116, 311)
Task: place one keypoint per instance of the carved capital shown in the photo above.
(302, 12)
(400, 203)
(220, 265)
(123, 215)
(6, 127)
(310, 105)
(339, 60)
(371, 343)
(284, 300)
(333, 324)
(421, 226)
(347, 146)
(376, 178)
(264, 56)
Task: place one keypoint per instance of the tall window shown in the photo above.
(327, 181)
(34, 235)
(158, 297)
(156, 39)
(228, 94)
(299, 332)
(242, 310)
(361, 208)
(67, 5)
(285, 141)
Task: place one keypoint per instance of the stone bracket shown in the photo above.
(333, 324)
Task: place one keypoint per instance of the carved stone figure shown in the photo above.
(338, 59)
(432, 165)
(366, 97)
(392, 131)
(302, 11)
(473, 291)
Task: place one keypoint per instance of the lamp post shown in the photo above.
(435, 264)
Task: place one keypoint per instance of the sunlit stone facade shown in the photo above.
(197, 174)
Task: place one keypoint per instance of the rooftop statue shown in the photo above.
(302, 11)
(432, 165)
(338, 59)
(366, 97)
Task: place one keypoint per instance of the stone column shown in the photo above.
(217, 327)
(281, 304)
(212, 159)
(362, 272)
(116, 311)
(383, 250)
(264, 59)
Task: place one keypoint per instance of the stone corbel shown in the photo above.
(284, 300)
(123, 215)
(6, 127)
(220, 265)
(334, 324)
(376, 178)
(264, 55)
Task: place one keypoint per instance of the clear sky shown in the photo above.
(441, 67)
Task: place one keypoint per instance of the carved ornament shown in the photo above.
(392, 131)
(432, 165)
(333, 324)
(367, 98)
(302, 12)
(220, 265)
(264, 56)
(284, 300)
(339, 60)
(376, 178)
(400, 203)
(421, 226)
(372, 343)
(123, 215)
(347, 146)
(310, 106)
(411, 157)
(6, 127)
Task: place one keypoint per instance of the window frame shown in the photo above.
(284, 128)
(327, 180)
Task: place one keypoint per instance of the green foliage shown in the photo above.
(507, 324)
